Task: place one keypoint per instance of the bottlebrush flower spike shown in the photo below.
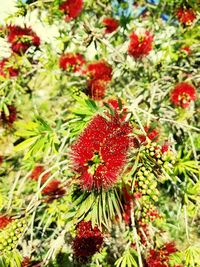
(6, 71)
(21, 38)
(186, 15)
(53, 188)
(88, 240)
(100, 153)
(72, 8)
(160, 257)
(71, 62)
(100, 74)
(110, 24)
(100, 70)
(140, 45)
(4, 221)
(183, 94)
(9, 119)
(37, 171)
(96, 89)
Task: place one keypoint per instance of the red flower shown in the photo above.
(183, 94)
(100, 70)
(186, 16)
(88, 240)
(9, 119)
(53, 188)
(96, 89)
(100, 73)
(37, 171)
(168, 248)
(110, 24)
(7, 71)
(72, 8)
(160, 257)
(100, 153)
(152, 134)
(71, 62)
(140, 45)
(22, 38)
(4, 221)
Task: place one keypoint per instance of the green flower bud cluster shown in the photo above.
(147, 184)
(149, 213)
(10, 235)
(160, 158)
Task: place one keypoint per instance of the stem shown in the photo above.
(136, 236)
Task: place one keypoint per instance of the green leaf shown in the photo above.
(25, 144)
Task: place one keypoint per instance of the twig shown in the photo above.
(136, 236)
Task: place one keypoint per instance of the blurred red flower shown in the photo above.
(22, 38)
(72, 8)
(88, 240)
(9, 119)
(183, 94)
(100, 70)
(53, 188)
(100, 73)
(160, 257)
(100, 153)
(6, 70)
(37, 171)
(71, 62)
(140, 45)
(186, 15)
(4, 221)
(110, 25)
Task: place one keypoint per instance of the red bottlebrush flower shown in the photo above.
(100, 73)
(71, 62)
(72, 8)
(22, 38)
(9, 119)
(88, 240)
(168, 248)
(183, 94)
(100, 70)
(160, 257)
(7, 71)
(140, 45)
(100, 153)
(4, 221)
(110, 24)
(96, 89)
(37, 171)
(53, 188)
(186, 16)
(152, 134)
